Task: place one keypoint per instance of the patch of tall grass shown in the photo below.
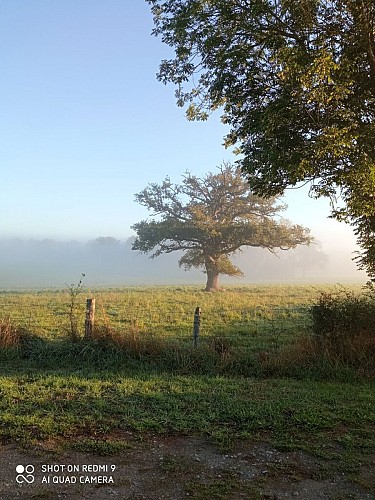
(215, 357)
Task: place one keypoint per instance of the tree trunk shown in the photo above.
(212, 284)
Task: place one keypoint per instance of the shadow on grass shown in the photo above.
(154, 356)
(61, 398)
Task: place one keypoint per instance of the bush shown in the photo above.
(344, 327)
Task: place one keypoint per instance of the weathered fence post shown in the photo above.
(90, 318)
(197, 324)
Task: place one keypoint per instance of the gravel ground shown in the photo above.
(176, 468)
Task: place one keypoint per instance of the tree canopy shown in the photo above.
(295, 80)
(209, 219)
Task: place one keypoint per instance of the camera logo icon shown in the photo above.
(25, 474)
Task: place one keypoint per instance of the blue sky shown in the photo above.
(85, 124)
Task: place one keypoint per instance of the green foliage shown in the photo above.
(295, 81)
(210, 219)
(344, 326)
(360, 213)
(343, 314)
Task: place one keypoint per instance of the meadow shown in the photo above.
(165, 311)
(255, 374)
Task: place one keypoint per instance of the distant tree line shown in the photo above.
(109, 261)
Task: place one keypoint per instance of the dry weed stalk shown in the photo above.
(9, 336)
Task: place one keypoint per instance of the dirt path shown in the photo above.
(176, 468)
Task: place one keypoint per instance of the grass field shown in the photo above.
(167, 311)
(252, 376)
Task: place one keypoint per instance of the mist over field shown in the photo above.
(107, 261)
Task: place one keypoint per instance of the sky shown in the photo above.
(85, 124)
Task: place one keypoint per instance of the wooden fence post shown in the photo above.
(197, 324)
(90, 318)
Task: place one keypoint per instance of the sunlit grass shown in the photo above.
(165, 311)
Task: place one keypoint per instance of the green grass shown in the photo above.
(101, 447)
(246, 318)
(323, 417)
(251, 377)
(165, 311)
(218, 489)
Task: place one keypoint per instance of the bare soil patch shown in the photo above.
(176, 468)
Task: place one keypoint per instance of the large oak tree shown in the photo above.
(295, 80)
(211, 218)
